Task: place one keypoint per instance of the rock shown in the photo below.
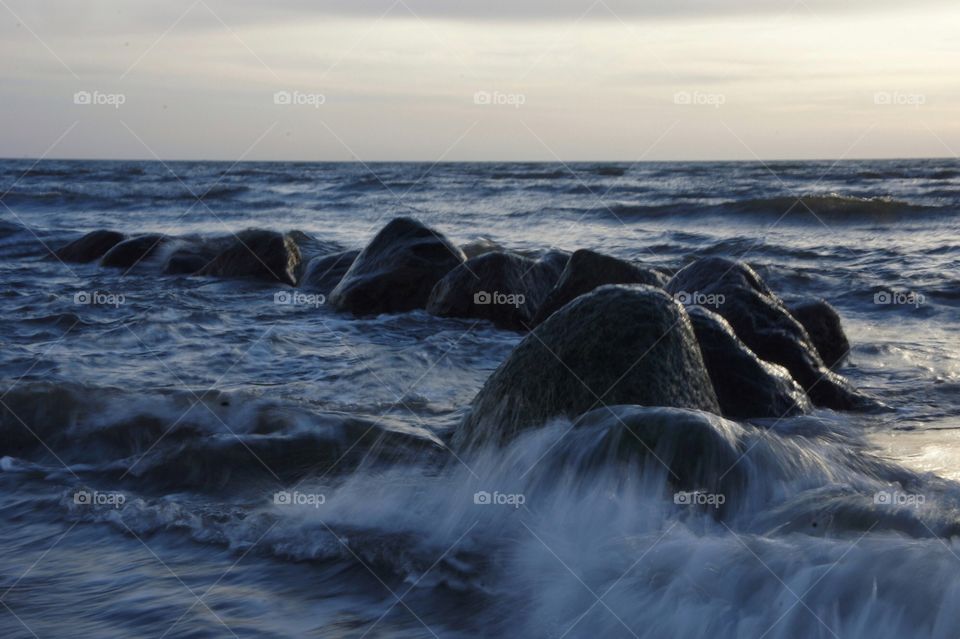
(746, 386)
(762, 322)
(480, 246)
(586, 270)
(324, 272)
(504, 288)
(822, 323)
(90, 247)
(186, 262)
(397, 270)
(134, 251)
(620, 344)
(256, 253)
(693, 450)
(310, 248)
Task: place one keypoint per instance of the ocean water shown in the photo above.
(184, 457)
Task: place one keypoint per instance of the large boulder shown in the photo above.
(260, 254)
(324, 272)
(134, 251)
(586, 270)
(746, 386)
(90, 247)
(504, 288)
(761, 320)
(620, 344)
(822, 323)
(397, 270)
(690, 449)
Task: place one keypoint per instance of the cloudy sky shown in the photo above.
(479, 80)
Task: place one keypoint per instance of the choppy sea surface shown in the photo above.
(181, 413)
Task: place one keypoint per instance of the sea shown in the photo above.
(185, 456)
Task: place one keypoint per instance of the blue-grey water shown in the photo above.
(182, 405)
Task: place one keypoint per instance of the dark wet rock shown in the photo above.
(620, 344)
(504, 288)
(324, 272)
(761, 320)
(260, 254)
(186, 262)
(746, 386)
(311, 247)
(822, 323)
(90, 247)
(586, 270)
(480, 246)
(134, 251)
(191, 254)
(396, 271)
(692, 449)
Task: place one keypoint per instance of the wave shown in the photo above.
(832, 206)
(192, 439)
(804, 209)
(559, 518)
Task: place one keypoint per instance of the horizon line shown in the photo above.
(561, 162)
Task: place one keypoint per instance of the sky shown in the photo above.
(465, 80)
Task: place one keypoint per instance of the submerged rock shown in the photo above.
(822, 323)
(504, 288)
(761, 320)
(266, 255)
(586, 270)
(693, 450)
(620, 344)
(129, 253)
(397, 270)
(324, 272)
(90, 247)
(746, 386)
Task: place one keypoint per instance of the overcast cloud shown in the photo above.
(425, 79)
